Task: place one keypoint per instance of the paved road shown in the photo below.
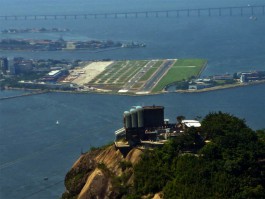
(138, 75)
(156, 77)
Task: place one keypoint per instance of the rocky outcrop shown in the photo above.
(101, 174)
(96, 186)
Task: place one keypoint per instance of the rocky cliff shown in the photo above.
(101, 173)
(229, 164)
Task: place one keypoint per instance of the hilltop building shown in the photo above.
(147, 127)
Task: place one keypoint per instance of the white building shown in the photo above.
(191, 123)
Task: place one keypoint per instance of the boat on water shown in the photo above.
(253, 18)
(57, 122)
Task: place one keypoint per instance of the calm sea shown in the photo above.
(33, 147)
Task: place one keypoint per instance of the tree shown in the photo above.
(230, 165)
(180, 118)
(216, 124)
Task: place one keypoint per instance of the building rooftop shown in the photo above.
(191, 123)
(53, 72)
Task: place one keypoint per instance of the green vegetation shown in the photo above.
(119, 73)
(183, 85)
(151, 71)
(222, 159)
(229, 165)
(183, 69)
(223, 82)
(14, 81)
(75, 181)
(137, 85)
(119, 186)
(125, 164)
(93, 148)
(148, 74)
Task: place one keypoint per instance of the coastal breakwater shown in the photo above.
(24, 95)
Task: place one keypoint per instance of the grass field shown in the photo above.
(118, 74)
(121, 74)
(151, 71)
(183, 69)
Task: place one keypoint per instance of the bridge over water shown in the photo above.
(199, 12)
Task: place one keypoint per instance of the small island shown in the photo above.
(61, 44)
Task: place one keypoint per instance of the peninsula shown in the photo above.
(126, 77)
(107, 76)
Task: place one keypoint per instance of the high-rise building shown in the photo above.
(3, 64)
(11, 67)
(24, 66)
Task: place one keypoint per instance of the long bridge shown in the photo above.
(248, 10)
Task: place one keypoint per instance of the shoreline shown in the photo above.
(64, 49)
(37, 92)
(229, 86)
(203, 68)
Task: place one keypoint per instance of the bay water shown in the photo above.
(36, 153)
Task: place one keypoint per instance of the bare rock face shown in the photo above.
(111, 158)
(101, 174)
(96, 186)
(158, 196)
(134, 156)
